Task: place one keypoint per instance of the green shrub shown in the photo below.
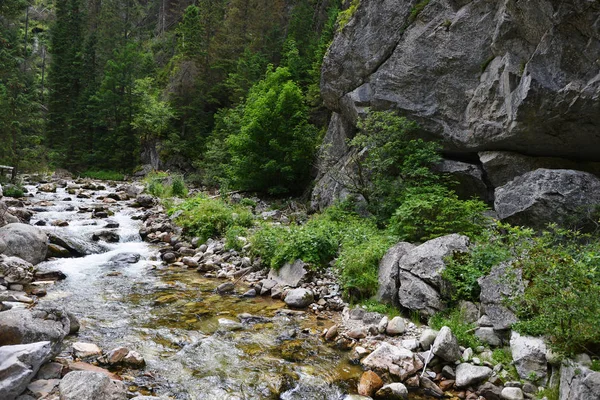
(211, 218)
(433, 211)
(103, 175)
(395, 161)
(502, 356)
(562, 298)
(13, 191)
(454, 319)
(248, 202)
(496, 245)
(163, 185)
(232, 236)
(266, 241)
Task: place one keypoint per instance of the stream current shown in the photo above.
(171, 315)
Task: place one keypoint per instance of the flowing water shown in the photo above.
(171, 316)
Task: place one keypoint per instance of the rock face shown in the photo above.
(538, 197)
(479, 76)
(24, 241)
(18, 365)
(88, 385)
(578, 382)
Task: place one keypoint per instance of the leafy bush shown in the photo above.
(562, 298)
(274, 147)
(13, 191)
(338, 232)
(393, 163)
(494, 246)
(433, 211)
(454, 319)
(163, 185)
(232, 237)
(211, 218)
(103, 175)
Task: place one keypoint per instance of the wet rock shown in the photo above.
(49, 275)
(227, 287)
(125, 258)
(190, 262)
(393, 391)
(107, 236)
(169, 257)
(19, 364)
(331, 333)
(48, 187)
(83, 366)
(358, 333)
(117, 355)
(110, 224)
(15, 270)
(397, 326)
(24, 241)
(30, 326)
(83, 350)
(134, 359)
(446, 346)
(388, 273)
(369, 383)
(230, 325)
(469, 374)
(57, 251)
(24, 215)
(250, 293)
(529, 356)
(291, 274)
(88, 385)
(299, 298)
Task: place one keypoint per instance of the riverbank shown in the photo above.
(172, 315)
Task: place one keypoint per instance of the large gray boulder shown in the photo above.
(543, 196)
(19, 364)
(477, 75)
(291, 274)
(22, 326)
(578, 382)
(397, 361)
(89, 385)
(416, 295)
(529, 356)
(446, 346)
(420, 273)
(388, 273)
(15, 270)
(502, 283)
(469, 374)
(23, 241)
(299, 298)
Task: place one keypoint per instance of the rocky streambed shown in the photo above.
(123, 306)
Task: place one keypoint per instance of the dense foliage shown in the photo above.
(158, 82)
